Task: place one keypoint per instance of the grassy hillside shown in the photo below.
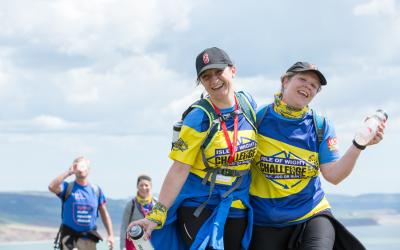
(43, 208)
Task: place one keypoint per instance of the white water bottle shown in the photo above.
(135, 234)
(175, 131)
(368, 130)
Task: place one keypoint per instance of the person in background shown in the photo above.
(136, 209)
(290, 208)
(81, 202)
(206, 188)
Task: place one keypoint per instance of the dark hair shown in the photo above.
(143, 177)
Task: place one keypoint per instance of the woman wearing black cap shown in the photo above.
(206, 191)
(294, 146)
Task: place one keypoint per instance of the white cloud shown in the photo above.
(3, 80)
(5, 76)
(142, 80)
(93, 27)
(17, 138)
(45, 124)
(177, 106)
(376, 7)
(381, 21)
(52, 122)
(80, 86)
(108, 78)
(262, 88)
(136, 73)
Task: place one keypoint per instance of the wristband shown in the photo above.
(360, 147)
(158, 215)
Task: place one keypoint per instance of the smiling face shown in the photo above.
(219, 85)
(299, 89)
(144, 188)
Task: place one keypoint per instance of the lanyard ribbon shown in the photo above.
(231, 146)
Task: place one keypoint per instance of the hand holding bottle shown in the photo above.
(136, 234)
(372, 130)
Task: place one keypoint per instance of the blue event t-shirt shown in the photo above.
(286, 187)
(193, 133)
(80, 208)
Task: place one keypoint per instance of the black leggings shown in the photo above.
(318, 233)
(189, 225)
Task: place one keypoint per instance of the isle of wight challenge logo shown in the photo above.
(245, 152)
(179, 145)
(287, 169)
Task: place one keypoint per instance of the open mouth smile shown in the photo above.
(303, 93)
(218, 86)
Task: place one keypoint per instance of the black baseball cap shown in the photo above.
(305, 66)
(212, 58)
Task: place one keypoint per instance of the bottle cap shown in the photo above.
(383, 113)
(136, 232)
(177, 126)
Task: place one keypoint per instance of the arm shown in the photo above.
(173, 183)
(55, 185)
(107, 224)
(170, 189)
(124, 224)
(335, 172)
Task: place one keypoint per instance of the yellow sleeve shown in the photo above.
(188, 145)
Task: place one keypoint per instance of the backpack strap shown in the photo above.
(319, 124)
(68, 191)
(212, 174)
(132, 209)
(214, 125)
(246, 108)
(96, 190)
(57, 240)
(261, 118)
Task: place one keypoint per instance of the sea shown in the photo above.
(376, 237)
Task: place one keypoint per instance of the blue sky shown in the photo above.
(107, 79)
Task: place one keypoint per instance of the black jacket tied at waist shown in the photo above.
(344, 239)
(74, 236)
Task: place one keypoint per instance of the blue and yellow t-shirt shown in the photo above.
(194, 131)
(286, 187)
